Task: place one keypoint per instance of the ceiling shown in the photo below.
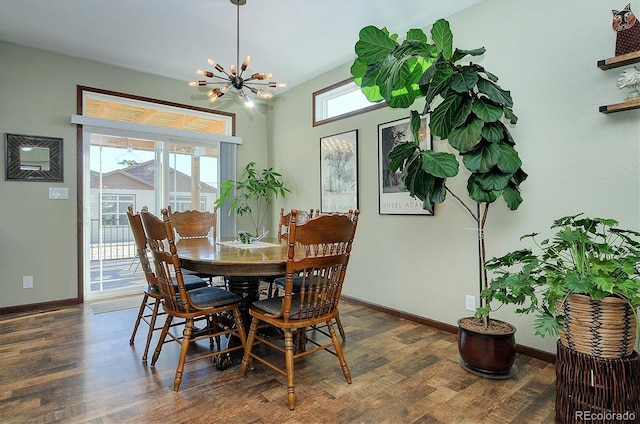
(296, 40)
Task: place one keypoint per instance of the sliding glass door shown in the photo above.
(126, 171)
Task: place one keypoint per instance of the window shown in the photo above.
(183, 203)
(340, 101)
(114, 209)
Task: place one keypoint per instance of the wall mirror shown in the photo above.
(33, 158)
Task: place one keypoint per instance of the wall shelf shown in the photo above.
(617, 61)
(619, 107)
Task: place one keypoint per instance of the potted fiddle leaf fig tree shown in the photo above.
(253, 196)
(471, 112)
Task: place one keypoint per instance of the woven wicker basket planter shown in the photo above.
(590, 389)
(605, 328)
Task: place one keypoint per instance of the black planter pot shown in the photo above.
(487, 355)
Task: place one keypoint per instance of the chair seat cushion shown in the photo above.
(273, 305)
(211, 297)
(191, 282)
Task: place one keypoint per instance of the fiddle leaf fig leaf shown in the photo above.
(509, 161)
(512, 196)
(415, 126)
(415, 34)
(467, 137)
(460, 53)
(493, 131)
(443, 115)
(494, 92)
(483, 158)
(464, 80)
(478, 194)
(400, 154)
(374, 44)
(442, 37)
(486, 110)
(508, 113)
(440, 164)
(439, 81)
(494, 180)
(463, 112)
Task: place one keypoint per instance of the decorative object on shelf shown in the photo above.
(33, 158)
(393, 196)
(472, 115)
(630, 78)
(252, 194)
(339, 172)
(234, 78)
(627, 30)
(582, 284)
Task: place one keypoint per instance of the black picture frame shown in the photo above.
(393, 198)
(33, 158)
(339, 172)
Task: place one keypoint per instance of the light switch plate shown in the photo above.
(58, 193)
(470, 302)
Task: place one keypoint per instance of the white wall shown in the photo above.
(578, 160)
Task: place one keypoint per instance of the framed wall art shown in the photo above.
(394, 199)
(339, 172)
(33, 158)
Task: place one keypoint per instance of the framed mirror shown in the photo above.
(33, 158)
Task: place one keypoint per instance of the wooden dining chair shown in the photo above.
(197, 224)
(318, 252)
(217, 307)
(279, 283)
(194, 224)
(283, 233)
(151, 299)
(283, 223)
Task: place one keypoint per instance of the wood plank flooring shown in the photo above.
(71, 366)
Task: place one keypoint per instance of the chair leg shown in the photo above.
(143, 306)
(184, 347)
(341, 329)
(152, 327)
(339, 353)
(163, 335)
(288, 358)
(247, 362)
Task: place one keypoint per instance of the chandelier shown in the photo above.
(234, 78)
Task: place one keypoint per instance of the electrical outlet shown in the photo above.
(27, 282)
(470, 302)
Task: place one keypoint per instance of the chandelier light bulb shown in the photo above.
(233, 69)
(245, 63)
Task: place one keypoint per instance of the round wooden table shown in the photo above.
(242, 267)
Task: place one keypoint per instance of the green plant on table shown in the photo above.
(589, 256)
(254, 194)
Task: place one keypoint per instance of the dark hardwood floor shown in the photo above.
(71, 366)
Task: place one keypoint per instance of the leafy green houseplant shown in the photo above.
(467, 108)
(588, 256)
(254, 194)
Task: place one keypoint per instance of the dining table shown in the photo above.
(242, 265)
